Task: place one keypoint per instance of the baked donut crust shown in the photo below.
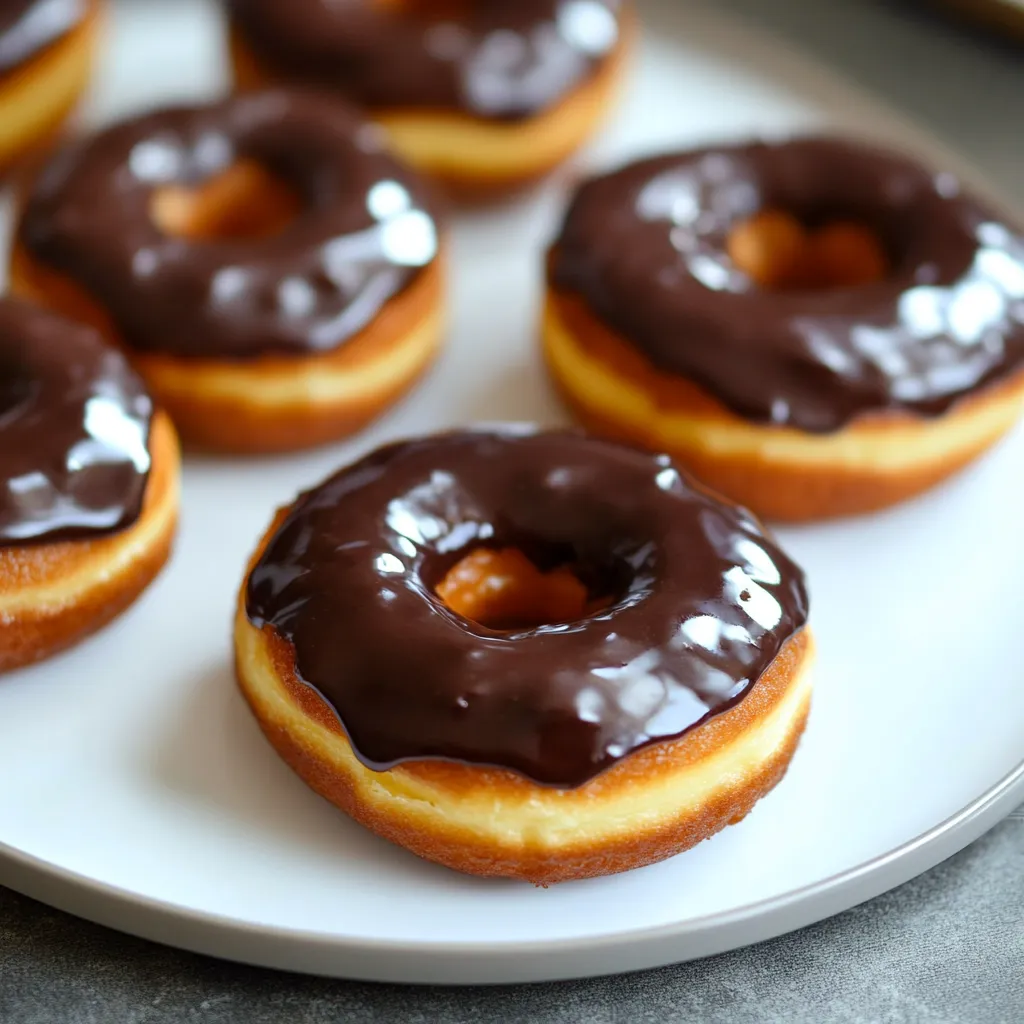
(654, 803)
(477, 159)
(52, 595)
(783, 474)
(270, 403)
(37, 96)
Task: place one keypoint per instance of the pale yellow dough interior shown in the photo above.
(901, 446)
(549, 818)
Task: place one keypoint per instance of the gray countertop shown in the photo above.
(947, 947)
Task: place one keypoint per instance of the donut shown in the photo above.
(46, 58)
(539, 656)
(485, 95)
(88, 484)
(814, 327)
(272, 273)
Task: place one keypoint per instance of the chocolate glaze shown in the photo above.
(29, 26)
(645, 249)
(499, 59)
(74, 430)
(703, 601)
(365, 229)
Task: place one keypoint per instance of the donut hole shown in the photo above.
(779, 252)
(244, 202)
(503, 589)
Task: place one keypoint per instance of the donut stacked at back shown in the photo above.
(482, 94)
(814, 327)
(270, 270)
(46, 57)
(88, 484)
(534, 655)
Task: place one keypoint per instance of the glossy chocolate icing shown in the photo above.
(29, 26)
(703, 602)
(365, 229)
(645, 248)
(74, 430)
(499, 59)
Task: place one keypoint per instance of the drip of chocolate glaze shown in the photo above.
(74, 430)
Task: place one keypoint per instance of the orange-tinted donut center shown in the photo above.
(780, 253)
(245, 201)
(503, 589)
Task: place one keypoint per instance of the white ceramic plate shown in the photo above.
(139, 792)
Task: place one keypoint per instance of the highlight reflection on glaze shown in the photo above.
(502, 59)
(74, 431)
(646, 248)
(702, 602)
(365, 229)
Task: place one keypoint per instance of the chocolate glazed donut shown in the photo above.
(369, 683)
(484, 94)
(366, 228)
(500, 59)
(74, 424)
(645, 248)
(88, 484)
(703, 603)
(252, 343)
(749, 386)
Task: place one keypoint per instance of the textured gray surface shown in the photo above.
(947, 947)
(964, 87)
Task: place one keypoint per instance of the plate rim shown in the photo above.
(490, 962)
